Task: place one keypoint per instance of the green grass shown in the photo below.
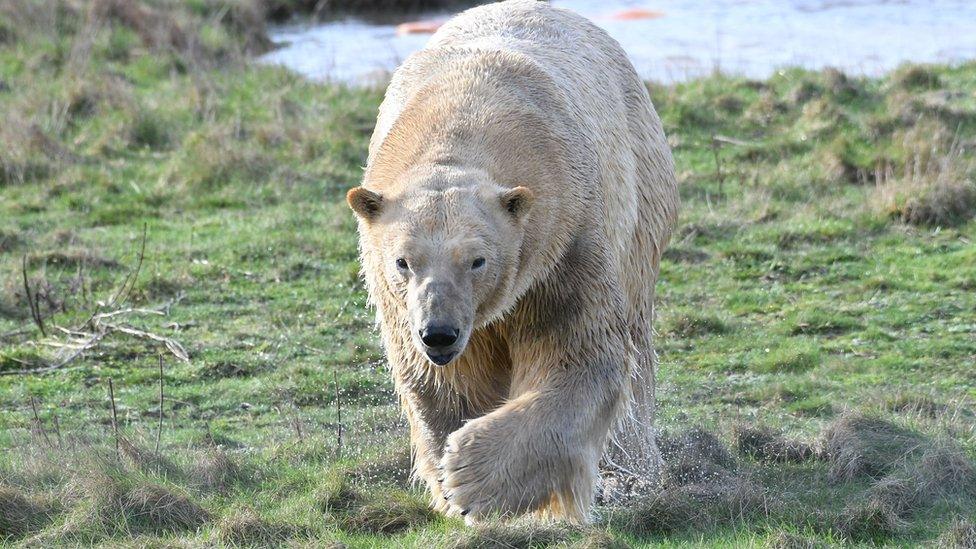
(802, 282)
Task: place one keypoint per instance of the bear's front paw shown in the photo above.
(489, 468)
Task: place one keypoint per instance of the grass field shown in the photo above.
(163, 195)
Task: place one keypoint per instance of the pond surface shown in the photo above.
(686, 38)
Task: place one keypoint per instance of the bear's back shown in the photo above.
(588, 67)
(618, 150)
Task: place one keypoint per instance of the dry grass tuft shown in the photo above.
(598, 539)
(219, 156)
(889, 504)
(880, 515)
(915, 77)
(525, 533)
(392, 467)
(856, 445)
(960, 535)
(701, 491)
(728, 502)
(336, 494)
(787, 540)
(157, 508)
(72, 258)
(245, 528)
(146, 461)
(804, 91)
(820, 117)
(666, 512)
(215, 471)
(694, 456)
(156, 29)
(10, 240)
(696, 325)
(841, 85)
(19, 514)
(937, 186)
(915, 405)
(116, 503)
(764, 444)
(29, 153)
(945, 469)
(844, 161)
(394, 513)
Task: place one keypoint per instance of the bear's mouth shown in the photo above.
(441, 359)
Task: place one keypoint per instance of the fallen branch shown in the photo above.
(103, 316)
(10, 335)
(733, 141)
(43, 369)
(98, 332)
(174, 347)
(97, 326)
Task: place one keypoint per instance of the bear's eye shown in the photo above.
(402, 264)
(478, 263)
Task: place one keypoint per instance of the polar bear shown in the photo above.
(518, 195)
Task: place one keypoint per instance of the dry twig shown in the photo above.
(37, 422)
(115, 419)
(31, 303)
(335, 378)
(159, 429)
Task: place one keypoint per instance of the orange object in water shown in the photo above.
(636, 13)
(418, 27)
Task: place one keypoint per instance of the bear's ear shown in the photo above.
(517, 202)
(364, 202)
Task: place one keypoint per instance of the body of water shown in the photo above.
(687, 38)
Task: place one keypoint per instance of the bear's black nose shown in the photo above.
(439, 336)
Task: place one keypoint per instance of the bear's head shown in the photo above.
(449, 251)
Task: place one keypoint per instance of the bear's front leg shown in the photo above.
(541, 450)
(505, 463)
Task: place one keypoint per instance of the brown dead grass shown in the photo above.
(882, 514)
(915, 405)
(763, 444)
(19, 513)
(336, 494)
(394, 513)
(214, 470)
(960, 535)
(72, 257)
(856, 445)
(694, 456)
(598, 539)
(914, 77)
(666, 512)
(146, 461)
(941, 470)
(937, 186)
(391, 467)
(788, 540)
(525, 533)
(244, 527)
(703, 488)
(945, 469)
(110, 503)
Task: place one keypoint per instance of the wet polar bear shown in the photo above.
(518, 195)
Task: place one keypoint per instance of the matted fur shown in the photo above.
(520, 97)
